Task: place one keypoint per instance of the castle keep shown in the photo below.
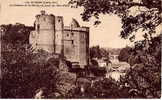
(51, 35)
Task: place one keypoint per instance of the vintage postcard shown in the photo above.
(80, 49)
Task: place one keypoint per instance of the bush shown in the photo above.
(145, 72)
(18, 33)
(124, 54)
(24, 71)
(99, 88)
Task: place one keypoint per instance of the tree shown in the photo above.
(97, 52)
(144, 77)
(147, 18)
(104, 53)
(124, 54)
(17, 33)
(145, 72)
(24, 72)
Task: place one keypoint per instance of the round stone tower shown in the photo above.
(45, 29)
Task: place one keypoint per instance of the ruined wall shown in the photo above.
(44, 26)
(51, 35)
(76, 44)
(84, 48)
(58, 34)
(71, 45)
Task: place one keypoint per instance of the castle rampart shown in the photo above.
(52, 36)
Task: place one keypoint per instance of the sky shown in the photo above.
(106, 34)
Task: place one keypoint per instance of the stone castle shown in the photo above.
(51, 35)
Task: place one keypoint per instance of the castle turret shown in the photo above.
(48, 33)
(44, 27)
(51, 35)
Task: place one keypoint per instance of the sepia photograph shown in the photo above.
(80, 49)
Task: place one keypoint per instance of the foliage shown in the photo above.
(97, 52)
(65, 82)
(145, 73)
(105, 88)
(24, 72)
(17, 33)
(113, 51)
(124, 54)
(147, 15)
(100, 88)
(143, 80)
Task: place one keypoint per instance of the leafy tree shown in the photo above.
(17, 33)
(124, 54)
(147, 16)
(143, 80)
(97, 52)
(114, 51)
(144, 75)
(104, 53)
(100, 88)
(24, 72)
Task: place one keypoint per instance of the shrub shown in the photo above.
(24, 71)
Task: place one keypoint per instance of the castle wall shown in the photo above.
(45, 40)
(44, 26)
(84, 47)
(83, 50)
(52, 36)
(76, 45)
(58, 34)
(71, 47)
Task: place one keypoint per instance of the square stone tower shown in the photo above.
(76, 43)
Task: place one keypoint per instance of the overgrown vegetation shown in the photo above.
(146, 14)
(18, 33)
(98, 52)
(143, 80)
(124, 54)
(23, 72)
(145, 73)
